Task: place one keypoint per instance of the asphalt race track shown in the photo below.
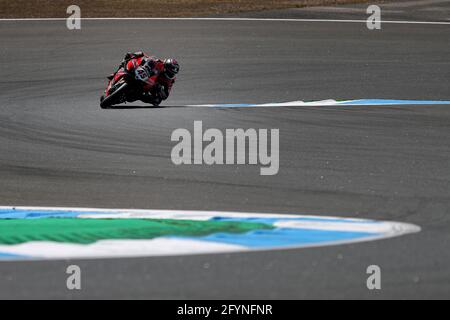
(58, 148)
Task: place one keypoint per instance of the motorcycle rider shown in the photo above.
(161, 75)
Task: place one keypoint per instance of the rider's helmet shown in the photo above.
(171, 68)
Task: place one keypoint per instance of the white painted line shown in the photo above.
(173, 214)
(235, 19)
(122, 248)
(376, 228)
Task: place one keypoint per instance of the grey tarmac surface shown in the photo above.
(58, 148)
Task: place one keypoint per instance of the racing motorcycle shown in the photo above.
(126, 85)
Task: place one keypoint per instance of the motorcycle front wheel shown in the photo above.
(115, 97)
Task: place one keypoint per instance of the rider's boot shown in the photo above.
(149, 98)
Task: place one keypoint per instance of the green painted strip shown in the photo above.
(85, 231)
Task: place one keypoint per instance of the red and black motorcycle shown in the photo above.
(126, 85)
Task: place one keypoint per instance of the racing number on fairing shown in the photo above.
(145, 71)
(141, 74)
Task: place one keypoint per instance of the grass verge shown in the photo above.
(150, 8)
